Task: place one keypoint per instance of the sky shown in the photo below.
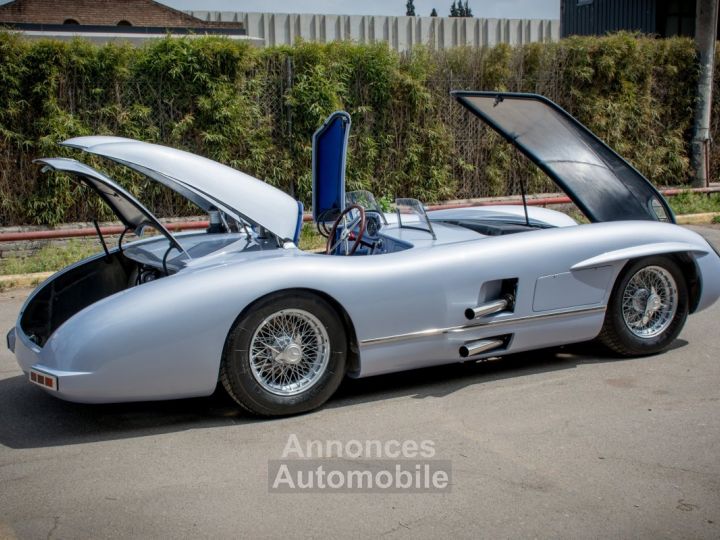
(516, 9)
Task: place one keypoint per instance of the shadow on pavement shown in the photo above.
(33, 419)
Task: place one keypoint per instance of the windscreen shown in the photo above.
(411, 214)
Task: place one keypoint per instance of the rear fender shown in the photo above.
(684, 254)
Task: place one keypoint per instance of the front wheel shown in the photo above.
(647, 309)
(287, 355)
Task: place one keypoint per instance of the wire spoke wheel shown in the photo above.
(649, 301)
(648, 306)
(285, 355)
(289, 352)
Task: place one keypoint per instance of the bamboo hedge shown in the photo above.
(256, 109)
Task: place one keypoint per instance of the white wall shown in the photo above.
(400, 32)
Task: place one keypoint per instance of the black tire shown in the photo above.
(617, 336)
(236, 373)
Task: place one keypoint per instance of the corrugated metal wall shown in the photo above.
(597, 17)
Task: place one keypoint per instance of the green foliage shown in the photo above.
(637, 94)
(310, 239)
(460, 10)
(256, 110)
(50, 258)
(688, 202)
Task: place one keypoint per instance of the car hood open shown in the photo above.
(126, 207)
(205, 182)
(600, 182)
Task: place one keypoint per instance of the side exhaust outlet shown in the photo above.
(488, 308)
(479, 346)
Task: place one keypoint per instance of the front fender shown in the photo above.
(642, 250)
(160, 340)
(706, 260)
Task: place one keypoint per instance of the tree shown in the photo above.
(433, 13)
(705, 34)
(410, 8)
(460, 9)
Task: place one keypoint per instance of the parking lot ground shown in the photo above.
(568, 443)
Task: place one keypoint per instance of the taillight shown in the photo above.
(43, 379)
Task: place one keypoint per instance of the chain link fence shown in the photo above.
(474, 147)
(473, 143)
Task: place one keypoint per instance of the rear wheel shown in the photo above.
(647, 309)
(285, 356)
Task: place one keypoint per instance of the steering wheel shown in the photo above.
(322, 223)
(358, 222)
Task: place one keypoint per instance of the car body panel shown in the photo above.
(506, 213)
(204, 181)
(589, 287)
(86, 142)
(407, 308)
(645, 250)
(602, 184)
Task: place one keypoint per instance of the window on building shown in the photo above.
(70, 21)
(124, 23)
(676, 18)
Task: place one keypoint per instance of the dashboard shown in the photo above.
(374, 242)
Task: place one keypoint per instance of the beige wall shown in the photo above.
(402, 33)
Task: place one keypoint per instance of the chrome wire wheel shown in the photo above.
(649, 301)
(289, 352)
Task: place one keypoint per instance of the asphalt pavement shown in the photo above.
(564, 443)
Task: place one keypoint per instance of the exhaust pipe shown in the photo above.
(472, 348)
(488, 308)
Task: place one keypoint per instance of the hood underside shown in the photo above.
(600, 182)
(205, 182)
(130, 211)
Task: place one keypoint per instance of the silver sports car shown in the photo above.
(172, 315)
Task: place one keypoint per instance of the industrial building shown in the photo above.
(664, 18)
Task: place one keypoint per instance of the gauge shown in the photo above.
(372, 225)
